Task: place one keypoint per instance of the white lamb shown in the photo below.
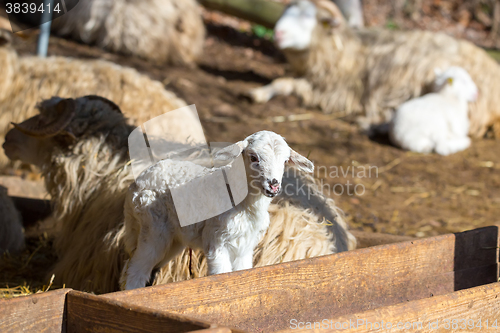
(437, 121)
(154, 235)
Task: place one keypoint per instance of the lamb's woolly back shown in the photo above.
(11, 228)
(372, 72)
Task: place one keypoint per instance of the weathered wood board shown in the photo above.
(42, 312)
(420, 281)
(267, 298)
(90, 313)
(367, 239)
(470, 310)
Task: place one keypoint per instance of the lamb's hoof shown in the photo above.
(260, 95)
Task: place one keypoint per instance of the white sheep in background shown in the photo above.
(437, 121)
(161, 31)
(154, 234)
(11, 227)
(370, 72)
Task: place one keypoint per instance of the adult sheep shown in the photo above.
(161, 31)
(372, 72)
(81, 147)
(26, 80)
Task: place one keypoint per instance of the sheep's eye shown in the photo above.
(253, 158)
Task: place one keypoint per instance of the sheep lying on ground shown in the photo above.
(161, 31)
(81, 147)
(437, 121)
(372, 72)
(11, 227)
(154, 234)
(27, 80)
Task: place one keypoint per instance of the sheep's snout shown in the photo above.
(18, 146)
(274, 188)
(11, 139)
(278, 36)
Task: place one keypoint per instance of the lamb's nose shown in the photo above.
(274, 185)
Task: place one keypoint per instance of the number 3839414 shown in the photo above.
(31, 8)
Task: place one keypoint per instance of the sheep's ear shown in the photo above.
(231, 152)
(300, 162)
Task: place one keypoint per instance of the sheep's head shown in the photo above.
(60, 124)
(294, 30)
(456, 80)
(265, 154)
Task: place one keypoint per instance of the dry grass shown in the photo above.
(26, 273)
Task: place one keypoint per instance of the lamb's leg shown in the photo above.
(283, 86)
(218, 260)
(175, 249)
(452, 146)
(243, 261)
(149, 252)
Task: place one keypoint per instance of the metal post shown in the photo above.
(43, 39)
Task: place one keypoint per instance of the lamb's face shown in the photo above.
(265, 157)
(295, 27)
(460, 82)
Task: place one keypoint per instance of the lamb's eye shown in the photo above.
(253, 158)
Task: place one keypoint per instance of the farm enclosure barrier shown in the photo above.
(437, 278)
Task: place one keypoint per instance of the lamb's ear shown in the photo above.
(300, 162)
(231, 152)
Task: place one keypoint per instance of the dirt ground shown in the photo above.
(379, 187)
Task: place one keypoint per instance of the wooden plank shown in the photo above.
(214, 330)
(471, 310)
(265, 298)
(90, 313)
(42, 312)
(368, 239)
